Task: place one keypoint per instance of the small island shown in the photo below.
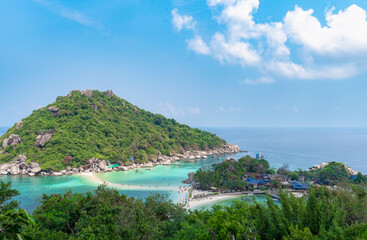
(93, 131)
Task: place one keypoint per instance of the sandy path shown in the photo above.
(92, 177)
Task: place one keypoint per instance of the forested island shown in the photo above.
(93, 131)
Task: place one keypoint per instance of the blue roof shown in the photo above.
(298, 185)
(254, 181)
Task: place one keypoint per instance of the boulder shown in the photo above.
(53, 109)
(102, 165)
(68, 168)
(34, 165)
(13, 140)
(87, 93)
(23, 166)
(31, 174)
(36, 170)
(63, 171)
(109, 93)
(123, 168)
(3, 172)
(14, 170)
(18, 160)
(19, 124)
(149, 164)
(41, 140)
(4, 166)
(56, 174)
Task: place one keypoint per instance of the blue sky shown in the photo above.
(204, 63)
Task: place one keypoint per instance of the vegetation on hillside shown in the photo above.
(105, 214)
(101, 126)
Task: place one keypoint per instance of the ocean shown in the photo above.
(298, 147)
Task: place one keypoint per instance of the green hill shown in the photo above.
(98, 124)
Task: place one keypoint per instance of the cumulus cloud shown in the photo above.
(197, 45)
(336, 50)
(345, 32)
(182, 22)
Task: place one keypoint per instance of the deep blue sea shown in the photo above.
(299, 147)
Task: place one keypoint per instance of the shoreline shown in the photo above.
(18, 165)
(204, 201)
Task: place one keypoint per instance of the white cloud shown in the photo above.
(197, 45)
(337, 50)
(344, 33)
(182, 22)
(261, 80)
(70, 14)
(233, 51)
(194, 110)
(169, 110)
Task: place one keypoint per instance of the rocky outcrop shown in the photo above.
(13, 140)
(53, 109)
(35, 170)
(42, 139)
(87, 93)
(19, 166)
(19, 124)
(71, 92)
(135, 109)
(109, 93)
(94, 165)
(102, 165)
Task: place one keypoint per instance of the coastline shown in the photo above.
(18, 165)
(211, 199)
(192, 203)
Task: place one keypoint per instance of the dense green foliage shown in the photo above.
(229, 174)
(13, 220)
(323, 215)
(104, 127)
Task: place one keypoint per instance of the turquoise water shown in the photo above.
(299, 147)
(229, 202)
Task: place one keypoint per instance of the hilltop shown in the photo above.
(84, 126)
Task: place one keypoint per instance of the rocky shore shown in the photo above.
(19, 165)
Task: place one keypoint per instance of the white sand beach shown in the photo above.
(93, 177)
(194, 203)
